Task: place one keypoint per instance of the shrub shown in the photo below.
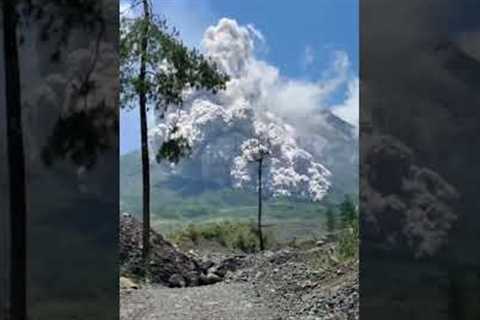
(349, 241)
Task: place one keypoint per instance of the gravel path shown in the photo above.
(222, 301)
(287, 284)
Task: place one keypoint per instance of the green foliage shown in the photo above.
(349, 241)
(349, 238)
(241, 236)
(171, 67)
(173, 149)
(348, 212)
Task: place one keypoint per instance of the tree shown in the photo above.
(348, 212)
(283, 169)
(155, 69)
(349, 237)
(257, 150)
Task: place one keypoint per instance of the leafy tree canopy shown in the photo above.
(171, 67)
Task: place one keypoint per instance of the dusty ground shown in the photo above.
(215, 302)
(287, 284)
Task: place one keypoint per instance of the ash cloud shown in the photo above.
(257, 96)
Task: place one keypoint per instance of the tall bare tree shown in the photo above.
(142, 103)
(258, 150)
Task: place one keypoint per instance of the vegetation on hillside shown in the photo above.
(231, 235)
(348, 237)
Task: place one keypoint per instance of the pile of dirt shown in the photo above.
(290, 283)
(168, 266)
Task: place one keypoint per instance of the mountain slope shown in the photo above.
(196, 191)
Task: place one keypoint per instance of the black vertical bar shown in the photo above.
(16, 164)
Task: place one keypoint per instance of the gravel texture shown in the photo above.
(216, 302)
(289, 281)
(274, 285)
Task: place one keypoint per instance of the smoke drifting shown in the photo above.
(258, 100)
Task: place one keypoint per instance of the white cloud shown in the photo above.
(256, 81)
(348, 110)
(231, 45)
(256, 32)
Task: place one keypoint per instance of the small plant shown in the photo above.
(349, 241)
(192, 233)
(345, 238)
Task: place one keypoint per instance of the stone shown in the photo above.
(127, 283)
(320, 243)
(210, 278)
(177, 281)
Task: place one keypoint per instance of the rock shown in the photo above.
(177, 281)
(320, 243)
(127, 283)
(193, 254)
(210, 278)
(307, 284)
(207, 264)
(229, 264)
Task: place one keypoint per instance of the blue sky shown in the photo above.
(300, 40)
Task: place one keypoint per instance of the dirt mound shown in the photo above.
(168, 266)
(290, 284)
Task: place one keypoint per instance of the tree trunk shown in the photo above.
(16, 164)
(260, 235)
(144, 141)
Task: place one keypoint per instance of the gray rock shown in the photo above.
(210, 278)
(320, 243)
